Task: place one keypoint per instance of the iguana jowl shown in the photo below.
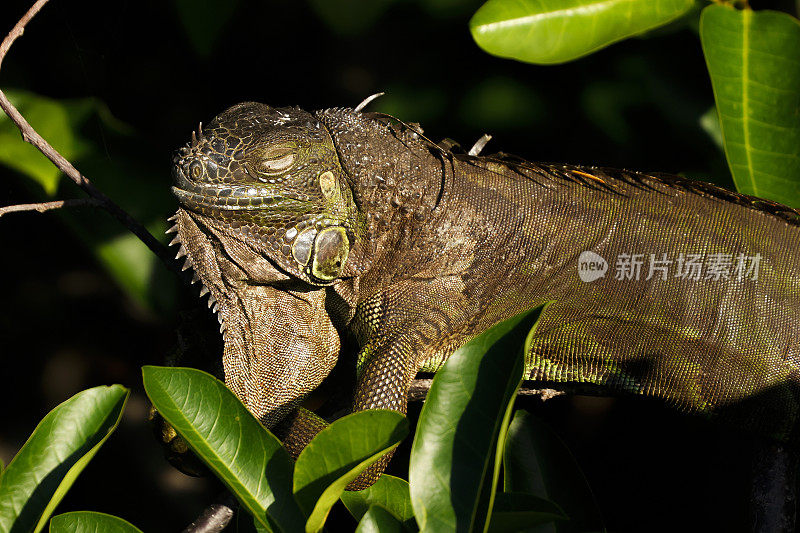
(304, 226)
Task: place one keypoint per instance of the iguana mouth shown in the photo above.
(234, 198)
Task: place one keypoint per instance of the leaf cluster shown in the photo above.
(464, 441)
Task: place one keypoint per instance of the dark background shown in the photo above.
(161, 67)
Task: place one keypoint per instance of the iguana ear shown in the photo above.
(322, 254)
(330, 252)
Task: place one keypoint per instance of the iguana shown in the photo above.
(309, 227)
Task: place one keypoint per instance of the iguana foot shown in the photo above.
(176, 450)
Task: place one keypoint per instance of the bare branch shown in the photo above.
(32, 136)
(419, 388)
(47, 206)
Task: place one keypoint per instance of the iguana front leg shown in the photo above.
(397, 330)
(387, 371)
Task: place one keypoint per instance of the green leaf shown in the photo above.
(391, 493)
(90, 522)
(753, 58)
(518, 511)
(247, 458)
(456, 454)
(350, 18)
(204, 21)
(555, 31)
(378, 520)
(501, 102)
(536, 461)
(340, 452)
(709, 123)
(130, 262)
(60, 447)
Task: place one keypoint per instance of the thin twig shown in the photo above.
(47, 206)
(31, 136)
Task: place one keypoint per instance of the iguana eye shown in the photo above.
(195, 169)
(278, 164)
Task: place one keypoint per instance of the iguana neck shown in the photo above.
(390, 170)
(271, 335)
(396, 182)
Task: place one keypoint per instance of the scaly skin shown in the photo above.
(306, 227)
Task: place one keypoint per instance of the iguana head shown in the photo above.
(271, 176)
(267, 222)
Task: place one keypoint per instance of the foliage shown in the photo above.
(537, 462)
(389, 492)
(463, 407)
(57, 451)
(453, 486)
(63, 124)
(464, 422)
(223, 433)
(90, 522)
(752, 58)
(55, 120)
(754, 64)
(252, 463)
(555, 31)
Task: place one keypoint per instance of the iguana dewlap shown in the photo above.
(307, 226)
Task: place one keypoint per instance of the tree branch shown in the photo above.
(419, 388)
(215, 517)
(31, 136)
(47, 206)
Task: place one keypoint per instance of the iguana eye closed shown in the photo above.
(278, 164)
(273, 159)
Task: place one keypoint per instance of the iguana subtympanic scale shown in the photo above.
(305, 227)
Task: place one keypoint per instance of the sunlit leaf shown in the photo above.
(90, 522)
(338, 453)
(229, 440)
(60, 447)
(754, 64)
(457, 449)
(378, 520)
(391, 493)
(555, 31)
